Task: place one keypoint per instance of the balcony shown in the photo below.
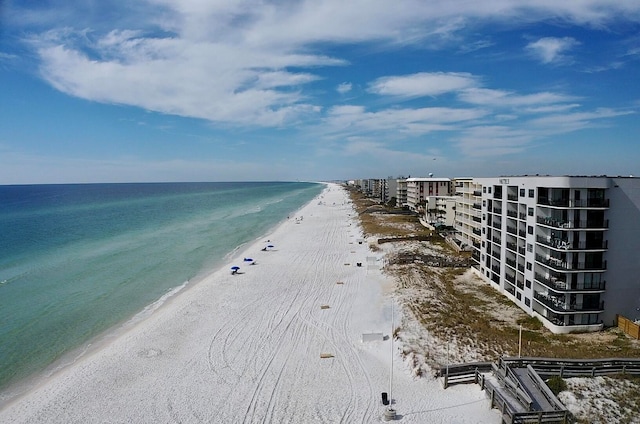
(562, 265)
(511, 230)
(513, 197)
(582, 224)
(512, 246)
(570, 203)
(559, 304)
(476, 231)
(497, 225)
(561, 244)
(559, 284)
(512, 214)
(521, 250)
(510, 278)
(477, 206)
(511, 262)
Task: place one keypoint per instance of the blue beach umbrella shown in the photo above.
(248, 260)
(271, 245)
(235, 268)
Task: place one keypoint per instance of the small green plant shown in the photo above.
(557, 384)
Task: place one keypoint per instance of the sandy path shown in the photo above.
(246, 348)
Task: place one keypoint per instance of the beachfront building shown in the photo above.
(564, 249)
(440, 210)
(397, 189)
(468, 219)
(418, 189)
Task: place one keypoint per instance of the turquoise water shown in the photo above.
(76, 260)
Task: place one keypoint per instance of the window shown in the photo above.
(484, 203)
(489, 190)
(531, 193)
(484, 217)
(519, 296)
(483, 244)
(530, 229)
(527, 301)
(529, 247)
(521, 192)
(484, 189)
(529, 266)
(530, 211)
(528, 284)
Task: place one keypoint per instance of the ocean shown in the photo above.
(79, 259)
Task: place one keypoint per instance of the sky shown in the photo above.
(258, 90)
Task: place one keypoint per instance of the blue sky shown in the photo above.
(230, 90)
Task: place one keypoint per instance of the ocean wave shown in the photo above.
(150, 309)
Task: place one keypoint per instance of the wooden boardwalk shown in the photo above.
(516, 385)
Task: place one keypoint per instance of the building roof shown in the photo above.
(429, 179)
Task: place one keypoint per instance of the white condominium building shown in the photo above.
(418, 189)
(564, 249)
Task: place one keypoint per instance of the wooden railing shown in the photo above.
(547, 367)
(514, 401)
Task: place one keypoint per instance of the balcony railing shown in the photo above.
(476, 231)
(512, 197)
(559, 284)
(512, 214)
(570, 203)
(510, 278)
(511, 230)
(562, 265)
(476, 206)
(558, 223)
(497, 225)
(512, 246)
(566, 245)
(559, 304)
(511, 262)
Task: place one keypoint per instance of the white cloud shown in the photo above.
(503, 98)
(422, 84)
(344, 88)
(551, 49)
(347, 120)
(245, 62)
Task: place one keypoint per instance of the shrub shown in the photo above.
(557, 384)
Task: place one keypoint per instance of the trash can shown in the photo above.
(385, 398)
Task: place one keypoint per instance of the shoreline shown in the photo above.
(20, 388)
(249, 347)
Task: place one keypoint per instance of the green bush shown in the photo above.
(556, 384)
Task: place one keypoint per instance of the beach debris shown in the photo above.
(324, 306)
(340, 282)
(326, 355)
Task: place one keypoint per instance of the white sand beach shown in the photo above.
(247, 348)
